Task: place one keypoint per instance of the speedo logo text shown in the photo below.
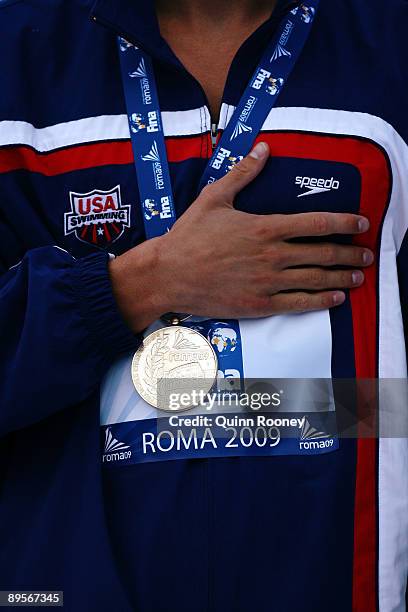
(316, 185)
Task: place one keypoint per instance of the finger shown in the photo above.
(317, 224)
(305, 302)
(242, 173)
(325, 254)
(317, 279)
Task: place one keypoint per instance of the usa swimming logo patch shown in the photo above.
(97, 217)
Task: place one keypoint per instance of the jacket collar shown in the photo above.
(135, 20)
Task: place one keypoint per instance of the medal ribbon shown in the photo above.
(140, 439)
(146, 128)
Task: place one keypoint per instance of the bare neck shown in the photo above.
(215, 12)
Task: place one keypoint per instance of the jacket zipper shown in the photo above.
(214, 135)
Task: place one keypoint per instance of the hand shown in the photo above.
(218, 262)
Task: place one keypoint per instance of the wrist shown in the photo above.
(137, 285)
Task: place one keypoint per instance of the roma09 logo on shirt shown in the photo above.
(97, 217)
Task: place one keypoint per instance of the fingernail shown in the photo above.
(358, 278)
(363, 225)
(259, 151)
(338, 298)
(368, 258)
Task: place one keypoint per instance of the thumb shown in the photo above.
(244, 172)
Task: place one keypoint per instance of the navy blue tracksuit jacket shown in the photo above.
(223, 534)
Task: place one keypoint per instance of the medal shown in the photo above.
(174, 360)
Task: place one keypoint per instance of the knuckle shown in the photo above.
(242, 169)
(351, 224)
(262, 278)
(281, 227)
(262, 305)
(262, 261)
(353, 256)
(360, 256)
(208, 195)
(325, 301)
(328, 254)
(257, 305)
(320, 224)
(346, 279)
(247, 305)
(208, 190)
(317, 278)
(275, 256)
(301, 302)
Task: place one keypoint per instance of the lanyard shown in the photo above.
(146, 128)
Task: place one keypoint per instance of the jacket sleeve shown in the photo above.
(60, 330)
